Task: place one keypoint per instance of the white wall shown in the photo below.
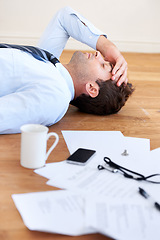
(133, 25)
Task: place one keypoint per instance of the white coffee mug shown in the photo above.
(34, 144)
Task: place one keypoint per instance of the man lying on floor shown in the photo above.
(36, 88)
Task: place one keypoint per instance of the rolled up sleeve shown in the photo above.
(68, 23)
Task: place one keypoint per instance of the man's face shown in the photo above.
(91, 66)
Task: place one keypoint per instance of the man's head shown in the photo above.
(110, 99)
(94, 91)
(85, 69)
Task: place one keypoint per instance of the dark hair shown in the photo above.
(110, 99)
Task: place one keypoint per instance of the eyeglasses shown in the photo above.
(114, 168)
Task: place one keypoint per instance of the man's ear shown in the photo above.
(92, 89)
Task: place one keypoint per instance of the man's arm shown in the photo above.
(113, 55)
(69, 23)
(65, 24)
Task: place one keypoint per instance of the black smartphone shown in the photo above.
(81, 156)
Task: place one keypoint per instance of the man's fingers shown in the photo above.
(116, 68)
(120, 71)
(123, 78)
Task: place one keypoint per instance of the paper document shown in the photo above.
(123, 220)
(103, 142)
(96, 182)
(53, 211)
(71, 213)
(58, 169)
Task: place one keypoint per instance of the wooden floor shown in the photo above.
(139, 118)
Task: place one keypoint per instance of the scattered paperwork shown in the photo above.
(92, 200)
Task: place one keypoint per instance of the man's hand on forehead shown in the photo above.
(120, 71)
(111, 53)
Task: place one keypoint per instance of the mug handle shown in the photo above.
(54, 144)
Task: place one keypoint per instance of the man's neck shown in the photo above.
(79, 86)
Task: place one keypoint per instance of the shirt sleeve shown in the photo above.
(68, 23)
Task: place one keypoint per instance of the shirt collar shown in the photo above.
(67, 77)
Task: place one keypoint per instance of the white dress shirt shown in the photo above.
(34, 91)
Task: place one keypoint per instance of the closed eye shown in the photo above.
(106, 66)
(111, 67)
